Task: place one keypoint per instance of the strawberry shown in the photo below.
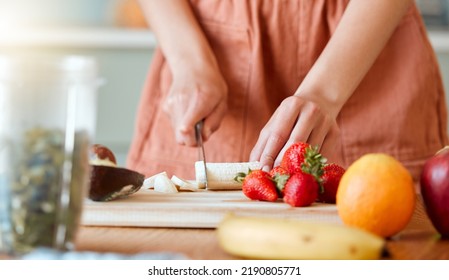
(330, 179)
(294, 157)
(301, 190)
(278, 170)
(280, 177)
(303, 186)
(258, 185)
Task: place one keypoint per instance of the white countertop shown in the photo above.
(108, 37)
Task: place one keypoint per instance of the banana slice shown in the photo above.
(163, 184)
(183, 184)
(148, 183)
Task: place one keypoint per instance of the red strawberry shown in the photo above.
(280, 177)
(294, 157)
(330, 180)
(258, 185)
(301, 190)
(278, 170)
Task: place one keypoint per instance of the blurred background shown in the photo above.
(115, 32)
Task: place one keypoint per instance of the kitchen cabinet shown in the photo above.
(124, 56)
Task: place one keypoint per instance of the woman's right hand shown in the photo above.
(196, 93)
(198, 90)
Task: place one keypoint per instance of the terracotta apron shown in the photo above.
(265, 48)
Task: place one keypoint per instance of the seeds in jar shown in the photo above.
(40, 188)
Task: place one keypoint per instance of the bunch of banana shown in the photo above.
(273, 238)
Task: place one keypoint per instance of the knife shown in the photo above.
(201, 154)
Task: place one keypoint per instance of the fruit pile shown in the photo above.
(302, 178)
(375, 200)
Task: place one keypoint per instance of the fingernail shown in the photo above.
(266, 168)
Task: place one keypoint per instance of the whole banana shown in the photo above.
(275, 238)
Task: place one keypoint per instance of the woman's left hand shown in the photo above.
(310, 115)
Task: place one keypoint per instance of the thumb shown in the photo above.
(213, 120)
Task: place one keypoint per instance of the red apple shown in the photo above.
(435, 190)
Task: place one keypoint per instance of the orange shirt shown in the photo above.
(265, 49)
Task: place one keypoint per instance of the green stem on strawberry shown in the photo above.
(313, 164)
(239, 177)
(280, 180)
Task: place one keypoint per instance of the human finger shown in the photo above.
(213, 120)
(319, 132)
(278, 130)
(175, 107)
(332, 146)
(274, 144)
(299, 129)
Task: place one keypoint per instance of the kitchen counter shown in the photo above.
(113, 38)
(418, 241)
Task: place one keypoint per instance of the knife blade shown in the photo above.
(200, 144)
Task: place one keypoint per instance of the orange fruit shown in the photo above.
(376, 193)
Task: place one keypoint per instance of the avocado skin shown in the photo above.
(110, 183)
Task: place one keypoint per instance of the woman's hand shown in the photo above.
(310, 115)
(196, 93)
(198, 90)
(295, 120)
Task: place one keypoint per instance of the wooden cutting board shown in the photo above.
(199, 209)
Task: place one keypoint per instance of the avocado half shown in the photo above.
(109, 182)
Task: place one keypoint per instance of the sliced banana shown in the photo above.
(148, 183)
(163, 184)
(221, 175)
(183, 184)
